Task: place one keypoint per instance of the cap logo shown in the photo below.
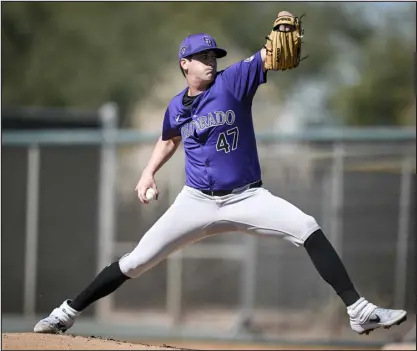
(183, 50)
(208, 40)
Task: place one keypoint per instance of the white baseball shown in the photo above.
(150, 194)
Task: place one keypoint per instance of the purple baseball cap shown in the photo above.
(196, 43)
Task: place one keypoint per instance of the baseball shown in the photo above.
(150, 194)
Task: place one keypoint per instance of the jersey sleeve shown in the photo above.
(169, 127)
(244, 77)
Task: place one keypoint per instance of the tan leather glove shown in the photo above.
(283, 45)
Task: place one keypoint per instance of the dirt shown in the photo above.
(33, 341)
(400, 346)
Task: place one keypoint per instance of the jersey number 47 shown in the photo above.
(223, 144)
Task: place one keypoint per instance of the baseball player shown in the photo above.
(223, 190)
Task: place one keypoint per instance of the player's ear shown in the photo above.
(184, 64)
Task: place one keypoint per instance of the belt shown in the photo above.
(258, 184)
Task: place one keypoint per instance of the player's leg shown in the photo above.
(364, 316)
(270, 215)
(188, 219)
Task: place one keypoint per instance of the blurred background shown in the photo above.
(84, 89)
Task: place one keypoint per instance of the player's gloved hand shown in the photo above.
(283, 44)
(146, 181)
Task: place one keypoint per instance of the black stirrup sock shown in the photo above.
(107, 281)
(330, 267)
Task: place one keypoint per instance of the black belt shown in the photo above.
(228, 192)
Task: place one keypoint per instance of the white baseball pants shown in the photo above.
(194, 216)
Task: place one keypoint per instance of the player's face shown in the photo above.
(202, 66)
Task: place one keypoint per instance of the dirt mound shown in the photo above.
(400, 346)
(33, 341)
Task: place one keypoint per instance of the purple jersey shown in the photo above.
(217, 129)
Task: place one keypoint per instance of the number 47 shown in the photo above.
(223, 144)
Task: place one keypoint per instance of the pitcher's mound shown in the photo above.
(33, 341)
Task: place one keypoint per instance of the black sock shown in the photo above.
(330, 267)
(107, 281)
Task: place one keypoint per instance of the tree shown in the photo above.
(385, 92)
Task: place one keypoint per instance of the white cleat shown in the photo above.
(60, 320)
(365, 317)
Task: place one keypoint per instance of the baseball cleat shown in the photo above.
(60, 320)
(366, 317)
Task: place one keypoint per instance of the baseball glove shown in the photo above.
(283, 47)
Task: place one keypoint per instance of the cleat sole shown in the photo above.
(367, 332)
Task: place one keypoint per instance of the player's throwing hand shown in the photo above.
(146, 181)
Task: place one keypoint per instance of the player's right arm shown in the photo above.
(162, 152)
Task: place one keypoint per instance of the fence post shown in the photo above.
(403, 231)
(175, 261)
(248, 285)
(336, 219)
(108, 115)
(174, 287)
(31, 248)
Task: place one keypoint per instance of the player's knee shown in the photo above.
(309, 226)
(310, 221)
(303, 226)
(133, 265)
